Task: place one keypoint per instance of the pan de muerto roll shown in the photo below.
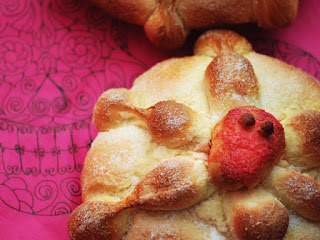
(168, 22)
(220, 145)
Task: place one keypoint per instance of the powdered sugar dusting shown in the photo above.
(233, 66)
(120, 154)
(171, 116)
(241, 65)
(302, 227)
(116, 96)
(308, 190)
(175, 120)
(85, 217)
(183, 225)
(212, 231)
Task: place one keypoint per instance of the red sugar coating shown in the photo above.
(244, 155)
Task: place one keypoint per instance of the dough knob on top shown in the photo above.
(246, 144)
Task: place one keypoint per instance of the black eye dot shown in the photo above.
(266, 128)
(246, 120)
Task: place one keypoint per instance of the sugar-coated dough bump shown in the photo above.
(303, 139)
(98, 220)
(169, 121)
(297, 191)
(173, 184)
(212, 43)
(231, 82)
(222, 145)
(255, 214)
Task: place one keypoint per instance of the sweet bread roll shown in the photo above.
(210, 146)
(168, 22)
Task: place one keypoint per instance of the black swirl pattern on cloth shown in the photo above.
(53, 56)
(56, 58)
(15, 55)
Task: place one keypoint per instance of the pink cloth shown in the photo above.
(56, 58)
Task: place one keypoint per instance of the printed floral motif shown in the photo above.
(13, 8)
(80, 49)
(14, 55)
(53, 56)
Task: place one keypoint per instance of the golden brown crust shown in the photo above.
(168, 122)
(231, 72)
(204, 13)
(172, 185)
(98, 220)
(256, 215)
(166, 22)
(164, 27)
(303, 139)
(212, 43)
(275, 13)
(297, 191)
(269, 221)
(231, 81)
(112, 108)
